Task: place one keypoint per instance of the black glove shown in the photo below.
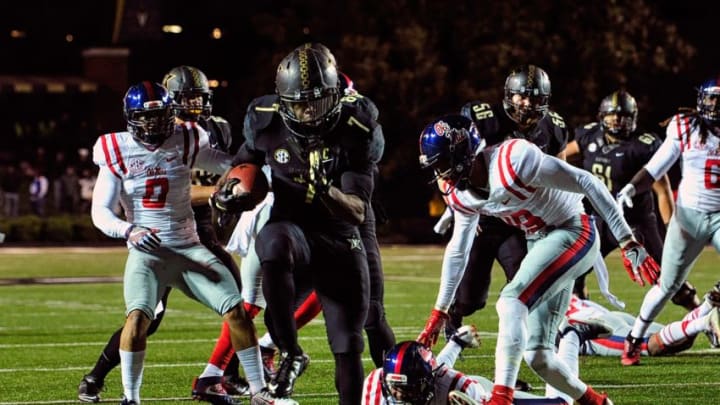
(226, 201)
(144, 239)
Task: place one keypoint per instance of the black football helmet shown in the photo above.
(309, 89)
(320, 48)
(448, 145)
(149, 113)
(531, 82)
(408, 374)
(190, 90)
(623, 106)
(708, 103)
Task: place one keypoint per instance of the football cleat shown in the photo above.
(126, 401)
(714, 326)
(466, 336)
(631, 352)
(210, 389)
(291, 367)
(460, 398)
(265, 398)
(713, 296)
(89, 389)
(235, 384)
(268, 360)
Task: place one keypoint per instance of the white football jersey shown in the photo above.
(699, 187)
(513, 167)
(527, 189)
(152, 186)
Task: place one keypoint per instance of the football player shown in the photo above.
(242, 242)
(412, 375)
(321, 151)
(542, 195)
(524, 113)
(614, 149)
(602, 332)
(695, 138)
(147, 170)
(192, 101)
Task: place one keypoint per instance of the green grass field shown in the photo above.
(51, 334)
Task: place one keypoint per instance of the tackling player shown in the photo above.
(542, 195)
(529, 119)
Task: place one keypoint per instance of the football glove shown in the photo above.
(225, 200)
(435, 323)
(142, 238)
(318, 182)
(625, 196)
(639, 264)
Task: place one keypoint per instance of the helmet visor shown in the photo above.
(311, 112)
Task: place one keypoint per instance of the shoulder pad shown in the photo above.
(477, 111)
(364, 103)
(358, 116)
(260, 114)
(554, 119)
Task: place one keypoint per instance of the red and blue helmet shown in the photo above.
(408, 375)
(149, 113)
(708, 103)
(448, 145)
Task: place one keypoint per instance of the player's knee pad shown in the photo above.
(686, 296)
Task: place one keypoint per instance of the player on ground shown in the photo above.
(695, 138)
(542, 195)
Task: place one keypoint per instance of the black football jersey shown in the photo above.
(615, 164)
(349, 151)
(221, 138)
(550, 134)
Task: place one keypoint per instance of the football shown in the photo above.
(253, 182)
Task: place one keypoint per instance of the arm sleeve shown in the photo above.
(665, 156)
(105, 198)
(554, 173)
(455, 257)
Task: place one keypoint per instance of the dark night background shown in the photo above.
(415, 59)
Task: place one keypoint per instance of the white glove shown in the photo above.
(144, 239)
(625, 196)
(445, 222)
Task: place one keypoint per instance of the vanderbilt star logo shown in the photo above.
(355, 243)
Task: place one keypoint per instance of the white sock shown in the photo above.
(266, 341)
(251, 362)
(567, 353)
(131, 368)
(212, 370)
(652, 304)
(511, 341)
(449, 354)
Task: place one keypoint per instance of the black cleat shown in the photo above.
(89, 389)
(291, 367)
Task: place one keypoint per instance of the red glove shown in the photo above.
(434, 324)
(639, 264)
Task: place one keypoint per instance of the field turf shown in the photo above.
(53, 328)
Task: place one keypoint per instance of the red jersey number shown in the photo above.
(156, 191)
